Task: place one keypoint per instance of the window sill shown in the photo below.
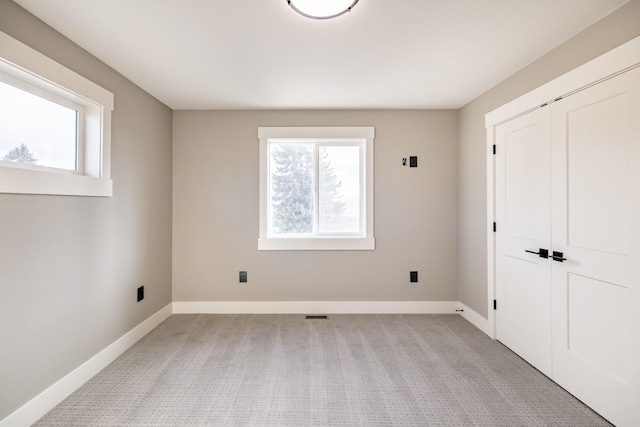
(26, 181)
(317, 244)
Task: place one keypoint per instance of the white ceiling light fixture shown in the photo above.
(322, 9)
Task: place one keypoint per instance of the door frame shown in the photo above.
(608, 65)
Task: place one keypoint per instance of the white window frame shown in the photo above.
(30, 70)
(363, 136)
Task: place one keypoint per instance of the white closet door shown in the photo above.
(596, 225)
(523, 279)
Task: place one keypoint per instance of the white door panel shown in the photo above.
(600, 341)
(595, 132)
(522, 209)
(596, 178)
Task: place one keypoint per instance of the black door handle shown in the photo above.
(558, 256)
(544, 253)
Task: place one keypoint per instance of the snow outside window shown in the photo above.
(316, 188)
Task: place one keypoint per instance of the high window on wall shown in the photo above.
(316, 188)
(54, 126)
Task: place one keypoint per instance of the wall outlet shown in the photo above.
(243, 277)
(413, 276)
(140, 293)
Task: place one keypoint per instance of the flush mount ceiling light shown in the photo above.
(322, 9)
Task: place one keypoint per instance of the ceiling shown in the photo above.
(260, 54)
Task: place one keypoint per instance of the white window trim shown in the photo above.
(317, 242)
(94, 179)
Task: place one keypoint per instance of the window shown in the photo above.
(316, 188)
(38, 130)
(54, 126)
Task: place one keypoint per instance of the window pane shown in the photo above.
(339, 189)
(34, 130)
(291, 186)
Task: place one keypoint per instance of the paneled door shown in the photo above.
(523, 271)
(596, 226)
(567, 207)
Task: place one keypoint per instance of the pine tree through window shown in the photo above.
(316, 187)
(295, 196)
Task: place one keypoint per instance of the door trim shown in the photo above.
(614, 62)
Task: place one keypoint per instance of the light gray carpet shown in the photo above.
(349, 370)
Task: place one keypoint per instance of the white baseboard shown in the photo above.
(37, 407)
(314, 307)
(476, 319)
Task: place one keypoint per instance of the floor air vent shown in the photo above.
(317, 317)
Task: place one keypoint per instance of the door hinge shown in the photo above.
(495, 227)
(549, 102)
(495, 305)
(494, 149)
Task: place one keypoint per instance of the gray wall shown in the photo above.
(613, 30)
(215, 212)
(69, 266)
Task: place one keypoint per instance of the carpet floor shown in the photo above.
(347, 370)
